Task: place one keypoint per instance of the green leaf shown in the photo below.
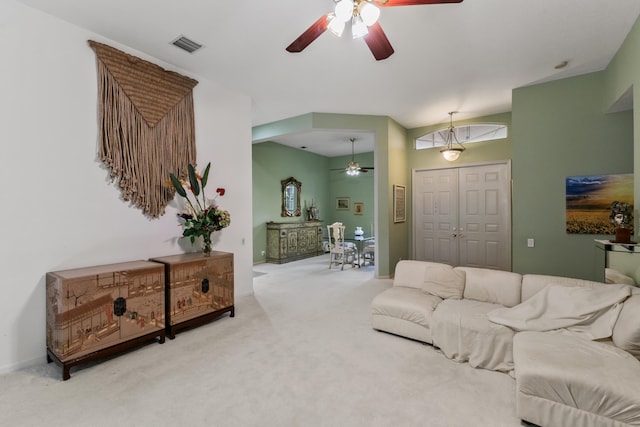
(177, 185)
(205, 175)
(193, 180)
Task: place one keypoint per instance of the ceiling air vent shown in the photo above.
(186, 44)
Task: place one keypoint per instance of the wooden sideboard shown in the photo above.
(291, 241)
(199, 288)
(95, 312)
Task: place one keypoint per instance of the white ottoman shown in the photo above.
(563, 380)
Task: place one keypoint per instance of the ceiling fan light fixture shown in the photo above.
(336, 26)
(369, 13)
(365, 11)
(358, 27)
(353, 169)
(344, 10)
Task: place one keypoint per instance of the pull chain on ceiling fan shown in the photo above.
(363, 15)
(353, 168)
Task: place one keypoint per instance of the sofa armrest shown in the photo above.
(410, 274)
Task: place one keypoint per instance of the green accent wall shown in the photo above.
(358, 189)
(389, 160)
(476, 153)
(561, 129)
(399, 174)
(622, 75)
(274, 162)
(271, 164)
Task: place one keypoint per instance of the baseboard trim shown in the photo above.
(12, 367)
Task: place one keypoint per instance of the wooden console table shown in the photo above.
(291, 241)
(199, 289)
(95, 312)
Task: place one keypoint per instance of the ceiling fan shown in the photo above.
(353, 168)
(363, 15)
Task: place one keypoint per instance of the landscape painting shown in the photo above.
(589, 201)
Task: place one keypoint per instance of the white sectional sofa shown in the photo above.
(572, 345)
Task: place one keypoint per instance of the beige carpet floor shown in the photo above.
(299, 352)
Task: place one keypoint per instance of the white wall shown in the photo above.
(59, 209)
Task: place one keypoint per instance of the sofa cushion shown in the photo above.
(493, 286)
(443, 281)
(564, 380)
(626, 331)
(461, 330)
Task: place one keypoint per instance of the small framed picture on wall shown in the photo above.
(358, 208)
(342, 203)
(399, 203)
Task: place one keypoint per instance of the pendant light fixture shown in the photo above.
(452, 149)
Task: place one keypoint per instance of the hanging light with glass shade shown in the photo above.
(453, 147)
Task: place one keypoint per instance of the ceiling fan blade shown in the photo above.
(378, 42)
(312, 33)
(390, 3)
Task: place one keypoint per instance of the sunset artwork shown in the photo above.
(589, 201)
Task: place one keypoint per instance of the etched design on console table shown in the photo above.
(198, 289)
(95, 309)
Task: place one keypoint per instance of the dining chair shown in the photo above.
(339, 251)
(369, 251)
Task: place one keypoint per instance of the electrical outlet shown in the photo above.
(531, 243)
(262, 253)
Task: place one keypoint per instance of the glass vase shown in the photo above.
(206, 244)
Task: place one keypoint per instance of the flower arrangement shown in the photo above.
(621, 214)
(202, 216)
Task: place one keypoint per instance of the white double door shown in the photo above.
(462, 216)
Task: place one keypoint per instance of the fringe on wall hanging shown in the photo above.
(146, 126)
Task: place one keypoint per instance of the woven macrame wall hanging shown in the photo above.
(146, 126)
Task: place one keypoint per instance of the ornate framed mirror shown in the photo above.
(291, 197)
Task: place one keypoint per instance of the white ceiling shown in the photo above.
(329, 143)
(463, 57)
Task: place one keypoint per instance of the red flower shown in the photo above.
(220, 191)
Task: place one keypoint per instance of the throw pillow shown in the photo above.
(626, 331)
(443, 281)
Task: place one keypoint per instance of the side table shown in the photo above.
(198, 289)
